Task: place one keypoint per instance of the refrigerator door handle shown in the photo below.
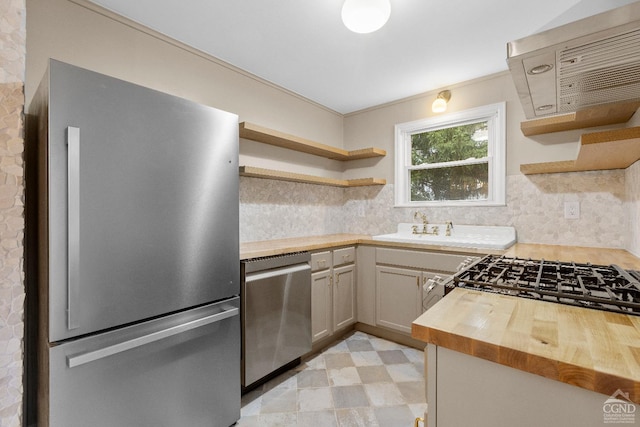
(90, 356)
(73, 231)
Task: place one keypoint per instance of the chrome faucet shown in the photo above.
(449, 228)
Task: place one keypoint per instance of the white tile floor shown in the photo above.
(361, 380)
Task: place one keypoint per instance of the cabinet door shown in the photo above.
(321, 305)
(398, 297)
(344, 296)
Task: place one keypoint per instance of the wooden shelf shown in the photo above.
(613, 149)
(280, 139)
(308, 179)
(595, 116)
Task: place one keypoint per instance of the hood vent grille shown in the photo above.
(590, 69)
(601, 72)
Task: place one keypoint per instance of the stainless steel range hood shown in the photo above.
(590, 62)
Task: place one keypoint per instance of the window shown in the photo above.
(452, 160)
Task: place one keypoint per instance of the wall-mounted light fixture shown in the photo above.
(365, 16)
(440, 104)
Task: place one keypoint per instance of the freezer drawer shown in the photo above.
(179, 370)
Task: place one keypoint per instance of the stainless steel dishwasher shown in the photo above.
(276, 313)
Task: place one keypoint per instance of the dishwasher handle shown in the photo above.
(90, 356)
(261, 275)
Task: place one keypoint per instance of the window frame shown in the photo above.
(494, 115)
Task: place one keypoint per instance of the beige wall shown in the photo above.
(375, 126)
(12, 54)
(87, 36)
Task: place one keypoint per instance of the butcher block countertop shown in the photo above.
(602, 256)
(296, 244)
(263, 248)
(592, 349)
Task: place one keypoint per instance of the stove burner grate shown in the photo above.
(601, 287)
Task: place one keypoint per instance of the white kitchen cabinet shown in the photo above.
(321, 322)
(400, 277)
(499, 395)
(344, 296)
(333, 294)
(399, 296)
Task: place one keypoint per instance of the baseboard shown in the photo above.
(387, 334)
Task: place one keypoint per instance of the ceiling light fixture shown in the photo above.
(365, 16)
(440, 104)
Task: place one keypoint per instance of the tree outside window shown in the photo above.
(452, 160)
(445, 163)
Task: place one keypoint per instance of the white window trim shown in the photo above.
(494, 114)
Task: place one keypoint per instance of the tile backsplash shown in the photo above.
(632, 202)
(276, 209)
(609, 209)
(12, 69)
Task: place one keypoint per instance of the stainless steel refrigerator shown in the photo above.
(132, 202)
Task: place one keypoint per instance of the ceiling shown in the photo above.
(302, 45)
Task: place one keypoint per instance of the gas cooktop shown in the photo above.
(609, 288)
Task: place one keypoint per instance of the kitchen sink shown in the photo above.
(466, 236)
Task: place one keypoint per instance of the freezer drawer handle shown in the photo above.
(90, 356)
(73, 237)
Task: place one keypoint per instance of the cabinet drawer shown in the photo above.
(422, 260)
(320, 261)
(344, 256)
